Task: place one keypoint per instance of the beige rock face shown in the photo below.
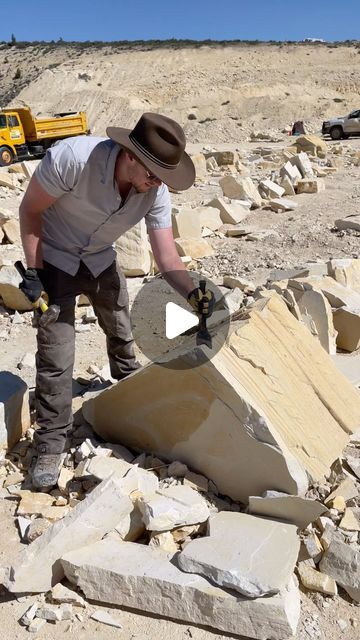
(194, 247)
(306, 185)
(316, 309)
(253, 556)
(241, 189)
(255, 400)
(230, 212)
(346, 272)
(347, 325)
(311, 144)
(133, 251)
(336, 293)
(113, 571)
(14, 409)
(209, 217)
(12, 296)
(186, 222)
(200, 165)
(12, 232)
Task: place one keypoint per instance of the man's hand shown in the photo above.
(31, 284)
(202, 303)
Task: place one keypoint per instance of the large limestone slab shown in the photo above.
(138, 576)
(39, 568)
(14, 409)
(253, 556)
(133, 251)
(255, 416)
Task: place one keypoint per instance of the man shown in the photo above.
(84, 194)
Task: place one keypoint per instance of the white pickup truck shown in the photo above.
(343, 127)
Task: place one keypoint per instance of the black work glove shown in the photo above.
(31, 284)
(202, 303)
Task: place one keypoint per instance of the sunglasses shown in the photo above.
(150, 177)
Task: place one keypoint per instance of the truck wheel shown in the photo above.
(6, 156)
(336, 133)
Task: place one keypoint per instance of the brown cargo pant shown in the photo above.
(56, 344)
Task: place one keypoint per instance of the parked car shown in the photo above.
(343, 126)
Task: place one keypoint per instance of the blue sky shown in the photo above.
(193, 19)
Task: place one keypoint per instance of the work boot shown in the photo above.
(47, 468)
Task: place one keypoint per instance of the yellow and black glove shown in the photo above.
(202, 300)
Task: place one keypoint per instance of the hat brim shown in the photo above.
(180, 178)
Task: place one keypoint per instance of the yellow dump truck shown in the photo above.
(22, 136)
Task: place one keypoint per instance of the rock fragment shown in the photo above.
(173, 507)
(316, 580)
(14, 409)
(342, 562)
(254, 556)
(38, 568)
(293, 509)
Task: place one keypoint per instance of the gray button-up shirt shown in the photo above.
(89, 215)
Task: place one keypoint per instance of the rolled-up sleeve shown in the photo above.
(159, 216)
(58, 171)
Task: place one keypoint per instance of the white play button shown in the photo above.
(178, 320)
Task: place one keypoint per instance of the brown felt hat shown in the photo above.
(159, 143)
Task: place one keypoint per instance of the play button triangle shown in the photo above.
(178, 320)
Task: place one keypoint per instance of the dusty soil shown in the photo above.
(236, 89)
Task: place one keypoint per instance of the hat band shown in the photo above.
(150, 156)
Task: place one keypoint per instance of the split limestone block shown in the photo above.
(347, 325)
(288, 186)
(302, 162)
(245, 417)
(194, 247)
(346, 271)
(313, 185)
(209, 217)
(291, 172)
(270, 189)
(230, 212)
(13, 297)
(14, 409)
(279, 506)
(336, 293)
(311, 144)
(11, 228)
(282, 204)
(133, 251)
(200, 165)
(241, 189)
(254, 556)
(7, 180)
(113, 571)
(315, 307)
(185, 223)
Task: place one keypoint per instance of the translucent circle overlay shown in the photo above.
(148, 322)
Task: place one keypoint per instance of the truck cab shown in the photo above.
(343, 126)
(22, 136)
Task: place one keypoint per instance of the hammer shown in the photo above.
(48, 314)
(203, 336)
